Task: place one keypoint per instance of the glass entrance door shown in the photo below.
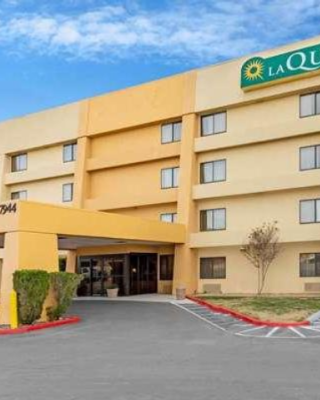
(94, 270)
(143, 273)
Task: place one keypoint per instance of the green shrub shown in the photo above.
(64, 285)
(32, 288)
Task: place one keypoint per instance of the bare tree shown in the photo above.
(262, 249)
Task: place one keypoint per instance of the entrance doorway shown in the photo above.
(134, 273)
(143, 273)
(95, 272)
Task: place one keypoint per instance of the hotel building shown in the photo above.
(165, 180)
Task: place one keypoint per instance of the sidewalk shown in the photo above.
(149, 298)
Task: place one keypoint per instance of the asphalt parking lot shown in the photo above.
(131, 351)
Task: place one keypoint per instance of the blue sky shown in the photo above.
(57, 51)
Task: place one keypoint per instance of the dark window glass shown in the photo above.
(21, 195)
(213, 220)
(213, 124)
(168, 217)
(310, 265)
(309, 105)
(19, 162)
(67, 192)
(309, 157)
(169, 178)
(213, 268)
(166, 267)
(214, 171)
(171, 132)
(309, 211)
(69, 152)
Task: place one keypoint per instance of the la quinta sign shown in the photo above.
(258, 71)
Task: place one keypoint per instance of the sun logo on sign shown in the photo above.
(254, 70)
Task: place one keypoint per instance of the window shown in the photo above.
(309, 105)
(171, 132)
(169, 178)
(213, 124)
(309, 211)
(69, 152)
(309, 157)
(21, 195)
(213, 220)
(213, 268)
(214, 171)
(67, 192)
(309, 265)
(19, 162)
(168, 217)
(166, 267)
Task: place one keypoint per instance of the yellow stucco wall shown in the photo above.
(43, 218)
(41, 136)
(283, 275)
(128, 186)
(247, 212)
(46, 191)
(150, 212)
(41, 129)
(250, 170)
(155, 101)
(141, 145)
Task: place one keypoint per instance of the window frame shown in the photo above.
(19, 193)
(213, 115)
(315, 147)
(300, 267)
(202, 182)
(168, 257)
(315, 211)
(315, 94)
(202, 212)
(15, 157)
(172, 124)
(201, 277)
(172, 178)
(173, 217)
(72, 192)
(74, 147)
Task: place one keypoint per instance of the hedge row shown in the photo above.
(32, 287)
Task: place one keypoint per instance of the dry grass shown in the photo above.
(280, 309)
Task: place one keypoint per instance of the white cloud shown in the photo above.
(190, 31)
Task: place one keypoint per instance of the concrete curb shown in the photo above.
(247, 318)
(41, 326)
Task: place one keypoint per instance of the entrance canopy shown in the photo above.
(79, 228)
(31, 234)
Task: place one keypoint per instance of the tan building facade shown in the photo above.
(205, 149)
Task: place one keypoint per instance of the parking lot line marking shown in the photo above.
(251, 329)
(311, 328)
(297, 332)
(271, 332)
(198, 316)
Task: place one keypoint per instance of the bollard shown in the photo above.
(13, 310)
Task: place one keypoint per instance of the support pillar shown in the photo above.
(71, 261)
(81, 177)
(185, 268)
(25, 250)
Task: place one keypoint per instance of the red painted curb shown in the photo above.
(40, 326)
(246, 318)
